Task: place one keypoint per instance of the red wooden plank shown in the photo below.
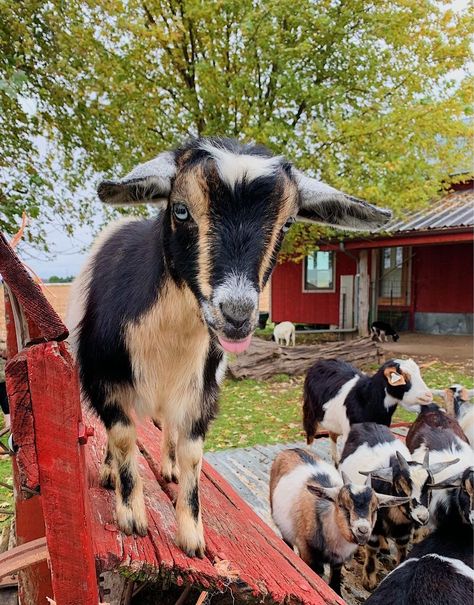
(35, 581)
(20, 557)
(266, 567)
(37, 308)
(55, 399)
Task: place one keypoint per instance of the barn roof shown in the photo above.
(456, 210)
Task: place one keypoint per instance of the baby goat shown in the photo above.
(324, 517)
(337, 395)
(436, 432)
(160, 300)
(458, 406)
(284, 332)
(439, 569)
(373, 449)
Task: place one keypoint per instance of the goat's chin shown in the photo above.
(235, 346)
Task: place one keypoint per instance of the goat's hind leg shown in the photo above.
(107, 471)
(130, 504)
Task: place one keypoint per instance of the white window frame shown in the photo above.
(320, 290)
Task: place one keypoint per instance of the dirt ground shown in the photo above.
(447, 348)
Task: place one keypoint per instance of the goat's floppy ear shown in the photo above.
(146, 183)
(320, 203)
(325, 493)
(387, 500)
(394, 377)
(454, 481)
(437, 467)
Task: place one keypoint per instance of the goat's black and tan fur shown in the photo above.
(160, 299)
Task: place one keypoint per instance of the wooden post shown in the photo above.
(364, 290)
(57, 415)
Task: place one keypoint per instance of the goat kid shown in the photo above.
(284, 332)
(324, 517)
(381, 329)
(337, 395)
(160, 300)
(457, 405)
(372, 449)
(439, 569)
(434, 431)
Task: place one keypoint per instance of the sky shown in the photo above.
(68, 253)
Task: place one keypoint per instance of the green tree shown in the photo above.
(359, 93)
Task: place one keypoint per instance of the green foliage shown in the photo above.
(54, 279)
(358, 93)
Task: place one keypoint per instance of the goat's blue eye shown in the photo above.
(288, 224)
(181, 213)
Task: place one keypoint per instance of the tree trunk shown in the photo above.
(364, 290)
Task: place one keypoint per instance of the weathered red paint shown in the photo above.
(54, 389)
(444, 279)
(414, 239)
(290, 303)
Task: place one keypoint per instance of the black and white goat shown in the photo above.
(439, 570)
(436, 432)
(372, 449)
(379, 331)
(160, 300)
(337, 395)
(316, 511)
(457, 405)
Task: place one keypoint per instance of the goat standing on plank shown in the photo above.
(325, 517)
(160, 300)
(284, 333)
(337, 395)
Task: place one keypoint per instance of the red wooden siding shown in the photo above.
(444, 278)
(290, 303)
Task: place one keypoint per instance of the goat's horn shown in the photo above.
(345, 478)
(440, 466)
(368, 481)
(403, 463)
(383, 474)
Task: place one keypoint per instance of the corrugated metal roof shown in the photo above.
(453, 211)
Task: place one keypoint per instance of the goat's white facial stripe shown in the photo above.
(234, 167)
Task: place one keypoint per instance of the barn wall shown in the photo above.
(290, 303)
(444, 289)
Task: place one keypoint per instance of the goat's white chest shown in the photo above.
(168, 347)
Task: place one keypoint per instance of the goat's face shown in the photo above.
(412, 480)
(358, 504)
(227, 208)
(405, 384)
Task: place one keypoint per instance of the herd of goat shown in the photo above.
(380, 488)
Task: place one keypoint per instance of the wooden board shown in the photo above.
(243, 554)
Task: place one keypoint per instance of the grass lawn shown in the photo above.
(261, 412)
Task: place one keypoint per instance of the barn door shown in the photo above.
(346, 302)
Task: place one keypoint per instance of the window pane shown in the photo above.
(319, 271)
(391, 278)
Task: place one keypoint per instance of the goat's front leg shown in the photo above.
(130, 504)
(402, 548)
(190, 535)
(369, 573)
(169, 464)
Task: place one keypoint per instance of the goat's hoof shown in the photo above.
(170, 474)
(369, 583)
(132, 520)
(192, 545)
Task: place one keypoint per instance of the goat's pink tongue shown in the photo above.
(235, 347)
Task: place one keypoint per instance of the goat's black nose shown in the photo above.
(237, 312)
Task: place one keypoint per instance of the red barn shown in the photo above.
(418, 275)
